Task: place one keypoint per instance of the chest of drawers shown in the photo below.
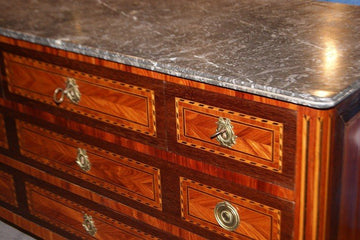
(95, 149)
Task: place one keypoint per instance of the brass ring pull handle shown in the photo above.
(224, 133)
(89, 225)
(71, 91)
(82, 160)
(227, 216)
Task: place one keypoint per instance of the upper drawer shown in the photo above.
(246, 138)
(3, 137)
(77, 219)
(113, 172)
(109, 101)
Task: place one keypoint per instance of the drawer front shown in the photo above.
(256, 141)
(256, 221)
(3, 138)
(116, 173)
(7, 188)
(113, 102)
(77, 219)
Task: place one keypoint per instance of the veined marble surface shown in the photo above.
(301, 51)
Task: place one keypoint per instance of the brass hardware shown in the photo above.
(227, 216)
(82, 160)
(89, 225)
(71, 91)
(224, 133)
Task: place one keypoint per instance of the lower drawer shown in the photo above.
(77, 219)
(232, 216)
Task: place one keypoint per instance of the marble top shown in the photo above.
(300, 51)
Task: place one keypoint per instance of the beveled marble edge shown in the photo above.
(221, 81)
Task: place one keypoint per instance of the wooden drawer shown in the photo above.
(257, 141)
(3, 137)
(109, 101)
(113, 172)
(257, 221)
(7, 188)
(75, 218)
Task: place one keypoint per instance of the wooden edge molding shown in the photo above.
(107, 202)
(29, 226)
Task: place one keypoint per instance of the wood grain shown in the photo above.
(105, 201)
(69, 216)
(116, 173)
(3, 136)
(29, 226)
(120, 104)
(7, 189)
(349, 213)
(259, 141)
(257, 221)
(314, 197)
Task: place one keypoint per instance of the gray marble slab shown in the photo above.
(301, 51)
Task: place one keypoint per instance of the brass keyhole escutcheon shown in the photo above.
(224, 133)
(71, 91)
(227, 216)
(82, 160)
(89, 225)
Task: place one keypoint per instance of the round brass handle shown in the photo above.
(224, 133)
(89, 225)
(82, 160)
(227, 216)
(71, 91)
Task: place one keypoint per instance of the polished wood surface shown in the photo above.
(257, 221)
(107, 202)
(116, 173)
(349, 213)
(3, 137)
(29, 226)
(258, 142)
(69, 216)
(112, 142)
(110, 101)
(7, 189)
(311, 171)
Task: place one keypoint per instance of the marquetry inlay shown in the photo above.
(259, 141)
(128, 177)
(257, 220)
(106, 100)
